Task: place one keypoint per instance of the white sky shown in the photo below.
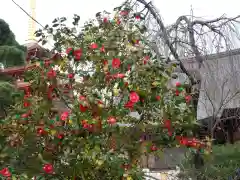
(47, 10)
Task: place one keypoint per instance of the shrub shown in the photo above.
(223, 163)
(101, 75)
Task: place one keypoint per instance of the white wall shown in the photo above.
(220, 86)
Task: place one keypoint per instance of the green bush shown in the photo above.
(221, 164)
(11, 52)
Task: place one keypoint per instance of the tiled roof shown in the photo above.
(33, 45)
(215, 55)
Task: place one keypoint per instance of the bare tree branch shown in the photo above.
(166, 39)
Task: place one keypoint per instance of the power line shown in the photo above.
(27, 13)
(30, 17)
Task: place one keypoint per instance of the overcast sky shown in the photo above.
(47, 10)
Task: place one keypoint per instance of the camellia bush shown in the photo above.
(76, 119)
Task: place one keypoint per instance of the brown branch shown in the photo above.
(192, 41)
(166, 39)
(191, 30)
(221, 19)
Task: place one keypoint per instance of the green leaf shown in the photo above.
(55, 25)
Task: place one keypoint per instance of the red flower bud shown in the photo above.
(153, 147)
(69, 50)
(111, 120)
(40, 131)
(158, 98)
(48, 168)
(5, 172)
(71, 76)
(178, 84)
(105, 20)
(94, 46)
(188, 98)
(134, 97)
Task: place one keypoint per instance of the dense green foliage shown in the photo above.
(7, 91)
(223, 163)
(11, 52)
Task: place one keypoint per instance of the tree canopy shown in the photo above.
(11, 52)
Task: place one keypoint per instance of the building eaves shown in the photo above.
(212, 56)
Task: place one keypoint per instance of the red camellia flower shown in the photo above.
(84, 122)
(190, 142)
(146, 59)
(193, 142)
(85, 126)
(105, 62)
(60, 136)
(5, 172)
(64, 116)
(177, 93)
(167, 123)
(102, 49)
(118, 75)
(90, 127)
(153, 147)
(134, 97)
(105, 20)
(129, 105)
(169, 132)
(71, 76)
(47, 63)
(124, 13)
(158, 97)
(77, 54)
(116, 63)
(94, 46)
(51, 73)
(69, 50)
(137, 41)
(183, 141)
(99, 102)
(26, 104)
(83, 108)
(188, 98)
(178, 84)
(111, 120)
(27, 91)
(50, 92)
(82, 98)
(137, 17)
(48, 168)
(25, 115)
(40, 131)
